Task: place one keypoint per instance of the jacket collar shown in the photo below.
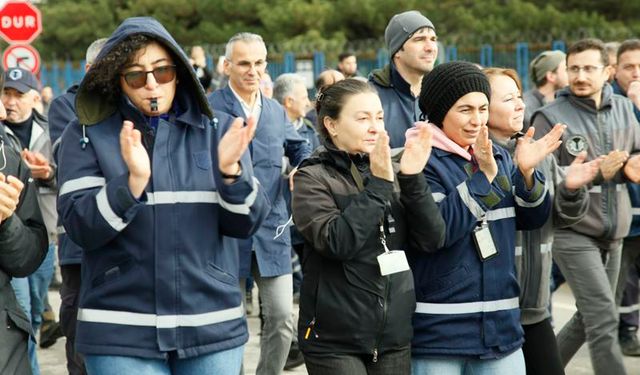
(399, 83)
(588, 104)
(617, 89)
(390, 77)
(232, 103)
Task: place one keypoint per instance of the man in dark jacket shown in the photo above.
(23, 243)
(412, 43)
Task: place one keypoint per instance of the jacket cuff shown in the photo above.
(380, 186)
(569, 195)
(487, 194)
(120, 199)
(411, 184)
(8, 226)
(537, 191)
(240, 187)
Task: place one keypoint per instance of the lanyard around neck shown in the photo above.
(357, 177)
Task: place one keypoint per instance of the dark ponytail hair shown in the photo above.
(331, 99)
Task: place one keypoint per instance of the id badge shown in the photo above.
(393, 261)
(484, 242)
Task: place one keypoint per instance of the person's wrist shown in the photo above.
(232, 172)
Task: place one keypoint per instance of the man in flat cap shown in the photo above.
(548, 71)
(412, 43)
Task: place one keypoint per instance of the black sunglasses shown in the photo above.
(138, 78)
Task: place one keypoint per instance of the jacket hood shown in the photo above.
(382, 76)
(92, 107)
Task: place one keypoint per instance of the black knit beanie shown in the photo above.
(445, 84)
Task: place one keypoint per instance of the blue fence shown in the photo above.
(517, 56)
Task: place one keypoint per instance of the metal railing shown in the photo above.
(61, 75)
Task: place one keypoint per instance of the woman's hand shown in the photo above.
(417, 149)
(483, 152)
(136, 158)
(580, 173)
(380, 158)
(529, 152)
(233, 145)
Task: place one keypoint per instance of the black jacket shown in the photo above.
(346, 306)
(23, 244)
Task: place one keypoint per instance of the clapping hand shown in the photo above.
(483, 152)
(632, 169)
(136, 158)
(580, 173)
(10, 189)
(529, 153)
(233, 145)
(380, 158)
(417, 149)
(612, 163)
(37, 163)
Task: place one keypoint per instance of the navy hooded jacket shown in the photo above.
(156, 275)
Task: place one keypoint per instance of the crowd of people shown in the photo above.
(421, 217)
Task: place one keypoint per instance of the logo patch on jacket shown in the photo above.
(576, 144)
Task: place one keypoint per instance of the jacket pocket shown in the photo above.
(446, 285)
(221, 275)
(203, 159)
(112, 273)
(16, 320)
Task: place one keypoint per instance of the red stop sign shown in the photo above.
(20, 22)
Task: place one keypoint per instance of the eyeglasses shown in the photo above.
(138, 78)
(588, 69)
(246, 65)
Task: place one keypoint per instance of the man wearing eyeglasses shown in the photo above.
(588, 253)
(267, 254)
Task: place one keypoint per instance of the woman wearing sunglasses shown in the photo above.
(149, 187)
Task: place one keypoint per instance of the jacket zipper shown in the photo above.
(384, 319)
(605, 191)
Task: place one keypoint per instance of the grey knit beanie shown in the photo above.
(445, 84)
(401, 27)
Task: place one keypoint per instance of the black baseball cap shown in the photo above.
(21, 79)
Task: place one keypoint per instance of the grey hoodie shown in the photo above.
(613, 126)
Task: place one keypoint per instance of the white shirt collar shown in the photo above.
(249, 111)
